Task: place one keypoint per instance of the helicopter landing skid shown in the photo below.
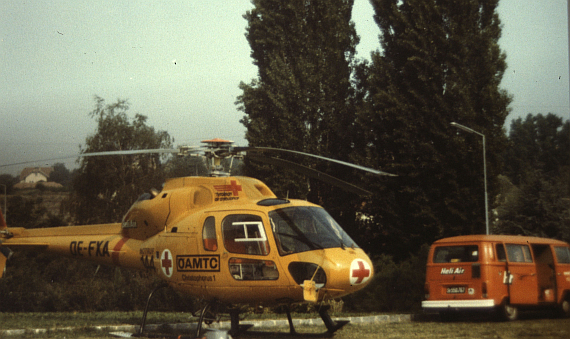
(331, 325)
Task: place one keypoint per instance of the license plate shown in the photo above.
(455, 290)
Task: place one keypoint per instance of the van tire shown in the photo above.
(509, 312)
(564, 307)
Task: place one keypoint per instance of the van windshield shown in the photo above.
(453, 254)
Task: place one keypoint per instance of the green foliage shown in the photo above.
(9, 181)
(297, 101)
(25, 212)
(63, 285)
(61, 175)
(537, 143)
(440, 62)
(186, 166)
(105, 187)
(303, 98)
(535, 201)
(396, 286)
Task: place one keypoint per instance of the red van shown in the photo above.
(497, 272)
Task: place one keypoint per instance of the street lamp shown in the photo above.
(4, 201)
(467, 129)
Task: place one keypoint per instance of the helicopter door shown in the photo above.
(247, 244)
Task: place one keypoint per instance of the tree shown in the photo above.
(9, 181)
(105, 187)
(537, 143)
(302, 97)
(536, 199)
(186, 166)
(440, 62)
(60, 175)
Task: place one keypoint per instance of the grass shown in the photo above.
(87, 319)
(530, 327)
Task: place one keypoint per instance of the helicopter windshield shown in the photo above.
(301, 229)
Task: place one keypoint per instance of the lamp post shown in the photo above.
(467, 129)
(4, 201)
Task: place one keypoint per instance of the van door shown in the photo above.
(562, 268)
(521, 275)
(546, 279)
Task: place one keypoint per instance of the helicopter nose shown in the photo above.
(360, 272)
(347, 271)
(350, 272)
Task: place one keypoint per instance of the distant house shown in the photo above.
(32, 175)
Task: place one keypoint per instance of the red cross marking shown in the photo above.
(360, 273)
(166, 263)
(233, 187)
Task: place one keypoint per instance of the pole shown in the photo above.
(467, 129)
(485, 180)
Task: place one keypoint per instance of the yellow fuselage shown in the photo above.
(228, 239)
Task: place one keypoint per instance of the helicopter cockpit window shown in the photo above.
(300, 229)
(244, 234)
(209, 234)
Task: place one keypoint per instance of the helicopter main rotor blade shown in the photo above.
(131, 152)
(270, 149)
(39, 161)
(312, 173)
(181, 150)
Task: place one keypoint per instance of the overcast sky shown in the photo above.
(180, 62)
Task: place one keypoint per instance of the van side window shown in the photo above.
(449, 254)
(518, 253)
(562, 254)
(209, 234)
(500, 250)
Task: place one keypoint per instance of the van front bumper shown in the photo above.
(458, 305)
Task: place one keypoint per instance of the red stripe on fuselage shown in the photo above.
(117, 250)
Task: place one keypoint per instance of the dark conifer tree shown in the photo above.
(536, 186)
(302, 98)
(440, 62)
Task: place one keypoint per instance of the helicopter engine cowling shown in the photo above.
(146, 217)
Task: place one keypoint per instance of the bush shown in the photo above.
(395, 287)
(38, 282)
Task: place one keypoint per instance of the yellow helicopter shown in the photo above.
(223, 239)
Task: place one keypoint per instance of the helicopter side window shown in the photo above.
(253, 269)
(245, 234)
(209, 234)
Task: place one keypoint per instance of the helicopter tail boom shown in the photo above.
(103, 244)
(5, 253)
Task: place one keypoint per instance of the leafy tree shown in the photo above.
(440, 62)
(105, 187)
(25, 212)
(186, 166)
(535, 199)
(537, 143)
(60, 175)
(9, 181)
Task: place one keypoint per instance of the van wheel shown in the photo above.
(564, 308)
(510, 312)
